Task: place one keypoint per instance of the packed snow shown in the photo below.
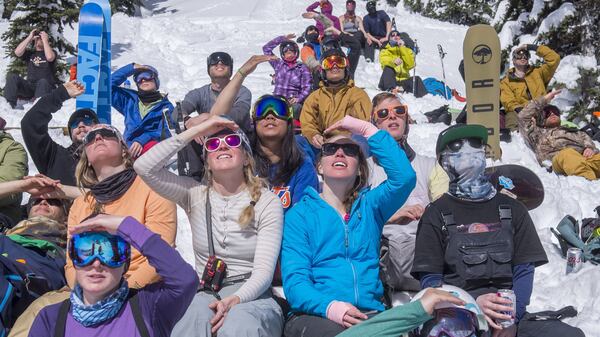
(176, 36)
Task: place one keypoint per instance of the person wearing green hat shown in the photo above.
(475, 238)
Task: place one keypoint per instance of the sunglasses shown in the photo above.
(394, 34)
(521, 55)
(334, 61)
(105, 133)
(212, 144)
(456, 145)
(51, 202)
(87, 121)
(275, 105)
(549, 111)
(399, 110)
(220, 57)
(111, 250)
(329, 149)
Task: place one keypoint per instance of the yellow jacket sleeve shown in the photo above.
(551, 62)
(387, 57)
(507, 97)
(438, 182)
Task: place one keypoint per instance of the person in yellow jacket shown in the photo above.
(525, 82)
(336, 98)
(397, 60)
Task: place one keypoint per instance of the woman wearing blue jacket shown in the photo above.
(330, 249)
(143, 109)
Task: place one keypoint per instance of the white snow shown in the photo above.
(176, 36)
(556, 17)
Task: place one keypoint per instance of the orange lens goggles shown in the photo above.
(334, 61)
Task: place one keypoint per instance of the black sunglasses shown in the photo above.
(90, 137)
(51, 202)
(456, 145)
(351, 150)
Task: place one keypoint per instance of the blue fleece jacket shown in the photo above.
(126, 101)
(294, 189)
(325, 258)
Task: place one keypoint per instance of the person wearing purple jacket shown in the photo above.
(101, 304)
(292, 79)
(327, 11)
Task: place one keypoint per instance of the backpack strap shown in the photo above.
(505, 213)
(61, 319)
(134, 303)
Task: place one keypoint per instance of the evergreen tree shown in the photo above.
(50, 16)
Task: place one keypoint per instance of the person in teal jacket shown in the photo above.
(330, 249)
(145, 123)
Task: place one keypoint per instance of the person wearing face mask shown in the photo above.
(292, 78)
(396, 61)
(145, 123)
(475, 238)
(525, 82)
(570, 151)
(310, 54)
(326, 15)
(377, 25)
(51, 158)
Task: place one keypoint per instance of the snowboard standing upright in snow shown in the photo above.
(93, 58)
(481, 51)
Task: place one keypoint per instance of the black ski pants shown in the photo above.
(370, 49)
(18, 87)
(353, 43)
(301, 325)
(388, 82)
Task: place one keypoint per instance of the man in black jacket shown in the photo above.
(50, 158)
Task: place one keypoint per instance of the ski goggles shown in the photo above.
(450, 322)
(289, 46)
(87, 121)
(111, 250)
(399, 111)
(144, 76)
(212, 144)
(334, 61)
(276, 105)
(550, 110)
(105, 131)
(456, 145)
(349, 149)
(521, 55)
(220, 57)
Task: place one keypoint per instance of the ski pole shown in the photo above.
(415, 69)
(442, 55)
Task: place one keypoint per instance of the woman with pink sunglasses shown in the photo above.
(234, 211)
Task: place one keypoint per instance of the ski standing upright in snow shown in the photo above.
(93, 58)
(481, 52)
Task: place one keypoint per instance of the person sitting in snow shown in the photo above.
(325, 18)
(310, 54)
(337, 97)
(13, 165)
(570, 151)
(525, 82)
(475, 238)
(292, 78)
(377, 25)
(397, 60)
(145, 123)
(40, 69)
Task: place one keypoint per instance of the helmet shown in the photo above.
(337, 52)
(329, 42)
(457, 319)
(286, 46)
(217, 57)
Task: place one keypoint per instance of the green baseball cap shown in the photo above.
(460, 131)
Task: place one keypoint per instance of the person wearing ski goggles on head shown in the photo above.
(525, 82)
(565, 149)
(51, 158)
(145, 123)
(391, 115)
(101, 301)
(292, 78)
(336, 98)
(475, 238)
(236, 223)
(330, 272)
(397, 60)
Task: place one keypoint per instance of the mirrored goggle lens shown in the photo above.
(105, 133)
(450, 322)
(456, 145)
(144, 76)
(548, 111)
(334, 61)
(274, 105)
(87, 121)
(222, 58)
(212, 144)
(111, 250)
(398, 110)
(329, 149)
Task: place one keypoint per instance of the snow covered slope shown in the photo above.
(176, 36)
